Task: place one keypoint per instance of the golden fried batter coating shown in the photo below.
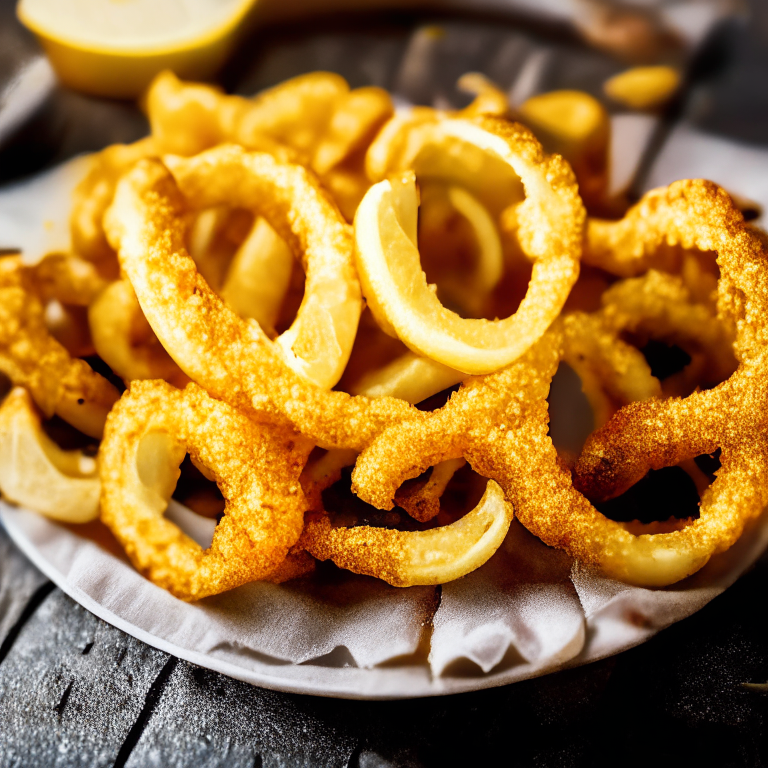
(32, 358)
(410, 558)
(233, 359)
(499, 424)
(256, 467)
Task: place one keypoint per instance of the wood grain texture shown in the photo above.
(75, 691)
(18, 583)
(71, 688)
(205, 719)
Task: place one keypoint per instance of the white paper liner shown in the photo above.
(521, 606)
(34, 213)
(307, 638)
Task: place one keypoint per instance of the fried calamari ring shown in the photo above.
(67, 279)
(256, 467)
(655, 306)
(36, 473)
(233, 359)
(407, 141)
(410, 558)
(123, 339)
(550, 231)
(32, 358)
(695, 214)
(410, 376)
(546, 502)
(93, 196)
(318, 343)
(660, 306)
(655, 434)
(188, 118)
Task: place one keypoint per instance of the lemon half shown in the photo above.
(115, 47)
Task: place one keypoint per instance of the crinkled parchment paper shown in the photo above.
(528, 611)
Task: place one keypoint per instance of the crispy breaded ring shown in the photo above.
(658, 306)
(233, 359)
(32, 358)
(500, 425)
(550, 230)
(318, 343)
(695, 214)
(410, 558)
(256, 466)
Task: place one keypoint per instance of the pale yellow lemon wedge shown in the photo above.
(115, 47)
(395, 285)
(36, 473)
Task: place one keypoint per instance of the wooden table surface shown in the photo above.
(75, 691)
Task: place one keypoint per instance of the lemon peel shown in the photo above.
(116, 48)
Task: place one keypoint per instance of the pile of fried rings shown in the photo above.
(276, 283)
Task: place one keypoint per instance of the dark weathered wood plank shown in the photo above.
(19, 580)
(76, 691)
(208, 720)
(71, 688)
